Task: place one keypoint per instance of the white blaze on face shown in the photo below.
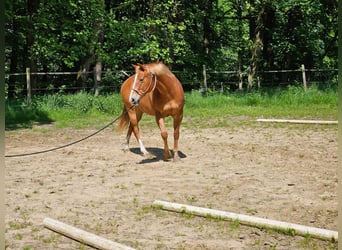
(133, 98)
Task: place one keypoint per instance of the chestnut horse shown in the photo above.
(156, 91)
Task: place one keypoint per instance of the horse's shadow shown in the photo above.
(156, 154)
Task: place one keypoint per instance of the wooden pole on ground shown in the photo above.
(83, 236)
(249, 220)
(298, 121)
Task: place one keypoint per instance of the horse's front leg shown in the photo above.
(133, 127)
(163, 132)
(136, 132)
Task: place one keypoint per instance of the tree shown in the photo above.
(63, 35)
(15, 41)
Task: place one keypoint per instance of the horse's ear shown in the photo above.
(141, 67)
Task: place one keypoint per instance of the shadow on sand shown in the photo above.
(156, 154)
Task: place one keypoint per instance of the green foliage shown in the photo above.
(63, 35)
(81, 103)
(24, 117)
(18, 116)
(62, 108)
(66, 37)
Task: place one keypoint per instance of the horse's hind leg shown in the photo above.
(163, 132)
(128, 137)
(176, 126)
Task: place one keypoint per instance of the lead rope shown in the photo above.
(72, 143)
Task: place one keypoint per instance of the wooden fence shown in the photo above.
(201, 80)
(301, 76)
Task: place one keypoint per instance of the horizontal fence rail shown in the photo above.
(211, 72)
(37, 83)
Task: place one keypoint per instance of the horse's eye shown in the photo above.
(141, 79)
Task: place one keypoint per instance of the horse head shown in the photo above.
(144, 82)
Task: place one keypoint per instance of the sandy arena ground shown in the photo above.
(280, 172)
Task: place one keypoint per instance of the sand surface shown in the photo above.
(286, 173)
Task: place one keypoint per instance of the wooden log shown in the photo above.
(298, 121)
(83, 236)
(250, 220)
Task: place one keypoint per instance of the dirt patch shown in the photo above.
(286, 173)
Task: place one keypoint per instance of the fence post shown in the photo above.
(304, 77)
(205, 80)
(240, 79)
(28, 87)
(97, 77)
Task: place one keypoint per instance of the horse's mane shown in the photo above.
(158, 68)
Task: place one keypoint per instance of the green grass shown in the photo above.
(292, 101)
(217, 110)
(77, 111)
(220, 110)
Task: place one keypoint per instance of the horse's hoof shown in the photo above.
(148, 155)
(176, 159)
(167, 155)
(167, 158)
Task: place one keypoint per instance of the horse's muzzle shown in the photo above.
(135, 100)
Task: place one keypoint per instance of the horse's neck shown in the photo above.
(169, 85)
(164, 83)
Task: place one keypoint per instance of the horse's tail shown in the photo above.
(123, 120)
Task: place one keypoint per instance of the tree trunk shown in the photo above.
(254, 64)
(14, 62)
(240, 70)
(208, 6)
(239, 15)
(97, 77)
(84, 68)
(32, 7)
(100, 39)
(256, 29)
